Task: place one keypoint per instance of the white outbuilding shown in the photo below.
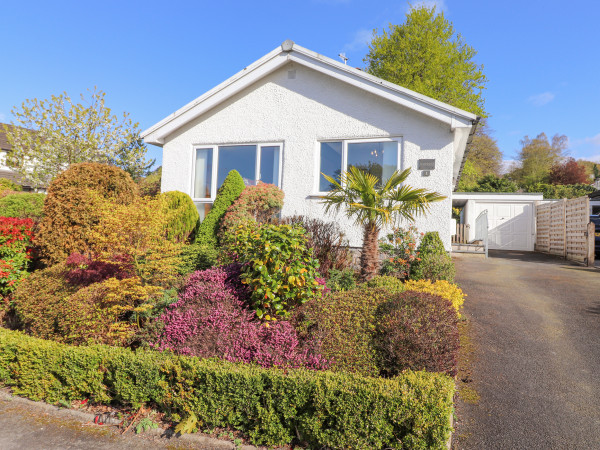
(295, 114)
(510, 217)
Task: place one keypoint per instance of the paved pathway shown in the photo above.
(535, 322)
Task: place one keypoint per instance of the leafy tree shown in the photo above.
(131, 158)
(483, 151)
(569, 172)
(536, 158)
(592, 168)
(493, 183)
(426, 55)
(468, 178)
(372, 205)
(51, 134)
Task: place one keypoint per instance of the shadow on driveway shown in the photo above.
(535, 322)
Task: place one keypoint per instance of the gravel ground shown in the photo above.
(535, 324)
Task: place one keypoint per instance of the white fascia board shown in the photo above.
(454, 117)
(512, 197)
(267, 64)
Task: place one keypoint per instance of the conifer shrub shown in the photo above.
(434, 262)
(227, 194)
(256, 204)
(22, 205)
(341, 280)
(181, 215)
(70, 211)
(416, 331)
(133, 235)
(431, 244)
(197, 257)
(434, 267)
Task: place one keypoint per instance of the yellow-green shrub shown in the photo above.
(444, 289)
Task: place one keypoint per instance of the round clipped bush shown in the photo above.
(417, 331)
(228, 193)
(391, 284)
(343, 323)
(434, 267)
(70, 211)
(181, 215)
(256, 204)
(443, 288)
(22, 205)
(9, 185)
(431, 244)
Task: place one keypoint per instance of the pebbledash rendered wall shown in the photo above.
(298, 106)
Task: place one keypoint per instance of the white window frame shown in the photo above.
(215, 165)
(344, 168)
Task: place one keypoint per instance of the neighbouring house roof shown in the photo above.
(594, 195)
(288, 52)
(4, 144)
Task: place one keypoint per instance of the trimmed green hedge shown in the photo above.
(333, 410)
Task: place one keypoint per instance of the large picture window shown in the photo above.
(378, 157)
(212, 164)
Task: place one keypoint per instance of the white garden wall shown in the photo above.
(300, 108)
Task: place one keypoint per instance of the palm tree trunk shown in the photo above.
(369, 258)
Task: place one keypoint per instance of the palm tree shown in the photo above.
(374, 206)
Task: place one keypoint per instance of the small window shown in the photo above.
(203, 173)
(331, 164)
(269, 165)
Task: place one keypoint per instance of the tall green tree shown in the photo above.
(536, 158)
(426, 55)
(483, 151)
(49, 135)
(373, 205)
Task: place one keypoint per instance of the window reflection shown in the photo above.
(203, 173)
(269, 165)
(237, 157)
(331, 164)
(377, 158)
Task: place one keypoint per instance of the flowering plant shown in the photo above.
(400, 250)
(16, 238)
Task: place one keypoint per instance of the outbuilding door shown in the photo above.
(510, 225)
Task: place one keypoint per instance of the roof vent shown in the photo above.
(287, 46)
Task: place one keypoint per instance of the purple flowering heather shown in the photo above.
(211, 319)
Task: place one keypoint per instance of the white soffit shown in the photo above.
(454, 117)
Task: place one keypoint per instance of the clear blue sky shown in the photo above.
(542, 57)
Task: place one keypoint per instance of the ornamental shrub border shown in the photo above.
(272, 406)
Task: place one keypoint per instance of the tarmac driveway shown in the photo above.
(535, 324)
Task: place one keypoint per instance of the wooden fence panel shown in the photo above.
(462, 233)
(542, 243)
(562, 229)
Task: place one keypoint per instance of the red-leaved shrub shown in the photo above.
(210, 319)
(84, 270)
(417, 331)
(16, 237)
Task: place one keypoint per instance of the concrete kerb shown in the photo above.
(88, 418)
